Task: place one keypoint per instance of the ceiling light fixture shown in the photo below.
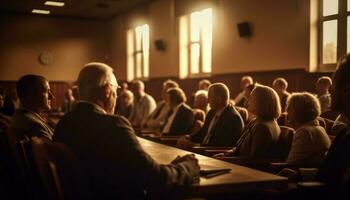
(44, 12)
(54, 3)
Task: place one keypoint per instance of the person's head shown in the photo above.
(248, 90)
(323, 84)
(204, 84)
(167, 85)
(201, 100)
(264, 102)
(175, 96)
(280, 85)
(2, 98)
(98, 84)
(341, 87)
(302, 107)
(245, 81)
(126, 98)
(138, 88)
(34, 93)
(218, 96)
(69, 94)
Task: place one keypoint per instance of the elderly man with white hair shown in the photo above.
(223, 125)
(107, 150)
(143, 105)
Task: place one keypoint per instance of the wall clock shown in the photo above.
(45, 58)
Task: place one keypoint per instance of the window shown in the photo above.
(196, 32)
(138, 52)
(334, 31)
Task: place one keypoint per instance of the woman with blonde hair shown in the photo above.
(262, 134)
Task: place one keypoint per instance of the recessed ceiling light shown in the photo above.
(37, 11)
(54, 3)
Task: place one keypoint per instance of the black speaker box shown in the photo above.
(244, 29)
(160, 45)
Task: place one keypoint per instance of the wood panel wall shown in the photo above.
(298, 79)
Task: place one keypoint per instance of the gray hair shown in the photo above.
(220, 90)
(176, 96)
(93, 76)
(280, 82)
(304, 105)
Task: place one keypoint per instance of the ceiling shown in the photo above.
(92, 9)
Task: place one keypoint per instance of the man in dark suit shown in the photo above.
(180, 117)
(223, 125)
(107, 149)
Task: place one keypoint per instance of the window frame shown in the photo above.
(201, 70)
(341, 18)
(137, 52)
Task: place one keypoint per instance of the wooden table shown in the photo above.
(239, 179)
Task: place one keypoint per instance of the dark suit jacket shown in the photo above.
(111, 157)
(183, 121)
(225, 132)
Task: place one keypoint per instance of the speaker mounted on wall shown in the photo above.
(160, 45)
(244, 29)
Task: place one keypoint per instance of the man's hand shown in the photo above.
(186, 158)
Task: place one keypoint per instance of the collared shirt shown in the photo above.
(212, 124)
(141, 109)
(28, 123)
(325, 101)
(171, 118)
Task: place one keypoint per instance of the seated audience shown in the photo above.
(323, 85)
(10, 103)
(35, 98)
(310, 141)
(4, 119)
(126, 99)
(201, 101)
(69, 101)
(180, 117)
(2, 99)
(336, 168)
(108, 152)
(262, 134)
(156, 119)
(280, 85)
(204, 84)
(223, 124)
(242, 97)
(143, 105)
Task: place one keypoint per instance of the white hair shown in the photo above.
(201, 93)
(93, 76)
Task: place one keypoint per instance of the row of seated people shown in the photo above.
(82, 128)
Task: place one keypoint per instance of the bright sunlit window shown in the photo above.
(334, 31)
(138, 52)
(196, 32)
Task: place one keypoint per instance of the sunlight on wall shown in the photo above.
(196, 31)
(138, 52)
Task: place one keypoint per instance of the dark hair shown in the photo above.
(26, 84)
(342, 72)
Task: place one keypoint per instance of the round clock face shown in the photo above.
(45, 58)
